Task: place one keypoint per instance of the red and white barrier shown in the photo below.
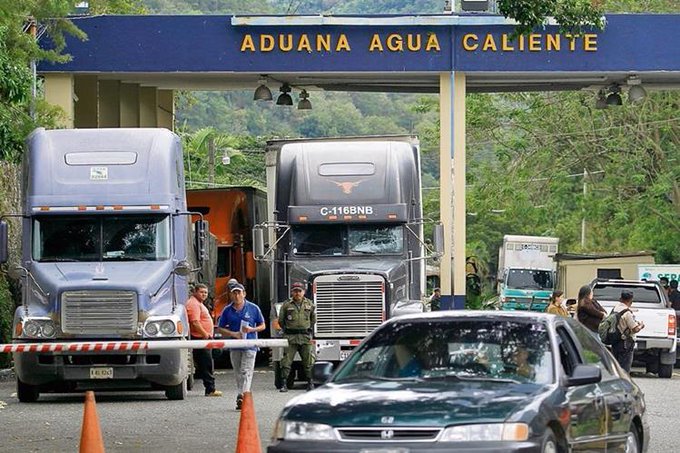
(155, 345)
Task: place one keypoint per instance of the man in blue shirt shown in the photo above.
(241, 320)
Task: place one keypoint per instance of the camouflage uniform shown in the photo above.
(297, 321)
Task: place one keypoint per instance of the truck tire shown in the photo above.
(177, 392)
(665, 371)
(27, 393)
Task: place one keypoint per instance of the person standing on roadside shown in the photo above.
(297, 318)
(556, 307)
(663, 281)
(436, 300)
(628, 326)
(201, 328)
(241, 319)
(674, 295)
(589, 311)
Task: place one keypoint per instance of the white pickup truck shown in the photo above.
(656, 343)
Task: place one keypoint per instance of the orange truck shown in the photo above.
(232, 212)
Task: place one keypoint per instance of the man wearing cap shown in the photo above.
(297, 318)
(241, 319)
(436, 300)
(201, 328)
(628, 326)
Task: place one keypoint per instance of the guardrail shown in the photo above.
(155, 345)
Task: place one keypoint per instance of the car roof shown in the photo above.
(488, 315)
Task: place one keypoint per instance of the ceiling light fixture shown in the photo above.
(284, 97)
(305, 103)
(262, 92)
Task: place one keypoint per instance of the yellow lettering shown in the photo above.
(323, 42)
(266, 43)
(466, 42)
(572, 42)
(534, 42)
(489, 43)
(304, 44)
(342, 44)
(590, 42)
(432, 43)
(410, 44)
(553, 42)
(287, 45)
(521, 43)
(505, 44)
(247, 44)
(395, 43)
(376, 44)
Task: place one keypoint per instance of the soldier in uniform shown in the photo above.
(297, 318)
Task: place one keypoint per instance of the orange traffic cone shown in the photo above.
(91, 440)
(248, 435)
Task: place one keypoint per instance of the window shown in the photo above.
(347, 169)
(223, 261)
(336, 240)
(641, 294)
(529, 279)
(594, 352)
(465, 349)
(568, 352)
(609, 273)
(107, 238)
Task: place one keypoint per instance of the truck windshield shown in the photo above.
(101, 238)
(529, 279)
(336, 240)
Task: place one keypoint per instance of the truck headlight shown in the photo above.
(38, 328)
(151, 329)
(167, 327)
(490, 432)
(405, 307)
(161, 326)
(293, 430)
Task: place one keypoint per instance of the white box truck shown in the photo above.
(526, 271)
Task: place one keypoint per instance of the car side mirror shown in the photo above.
(183, 269)
(202, 242)
(584, 375)
(322, 372)
(571, 301)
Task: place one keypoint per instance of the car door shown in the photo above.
(617, 392)
(587, 430)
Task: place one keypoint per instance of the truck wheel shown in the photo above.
(27, 393)
(177, 392)
(665, 371)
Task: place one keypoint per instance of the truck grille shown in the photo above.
(348, 305)
(98, 312)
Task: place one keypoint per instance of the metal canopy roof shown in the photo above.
(224, 53)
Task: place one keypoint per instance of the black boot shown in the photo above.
(310, 385)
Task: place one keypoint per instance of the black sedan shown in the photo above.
(472, 382)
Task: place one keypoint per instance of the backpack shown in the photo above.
(608, 330)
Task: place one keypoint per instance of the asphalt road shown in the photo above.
(147, 422)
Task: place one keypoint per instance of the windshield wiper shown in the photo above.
(307, 253)
(59, 260)
(464, 377)
(364, 252)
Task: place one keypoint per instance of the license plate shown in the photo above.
(101, 373)
(344, 354)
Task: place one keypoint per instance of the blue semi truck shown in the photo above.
(108, 253)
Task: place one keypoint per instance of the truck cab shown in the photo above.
(107, 255)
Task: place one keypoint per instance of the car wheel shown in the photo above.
(632, 441)
(27, 393)
(177, 392)
(549, 443)
(665, 371)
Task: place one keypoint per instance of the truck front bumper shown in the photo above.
(162, 368)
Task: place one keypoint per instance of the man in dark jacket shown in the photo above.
(589, 311)
(674, 295)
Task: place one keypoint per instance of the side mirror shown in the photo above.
(584, 375)
(202, 243)
(4, 242)
(321, 372)
(258, 242)
(183, 269)
(438, 238)
(571, 301)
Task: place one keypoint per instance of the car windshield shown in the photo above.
(107, 238)
(529, 279)
(643, 294)
(336, 240)
(466, 349)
